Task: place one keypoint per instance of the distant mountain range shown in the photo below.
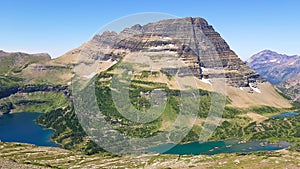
(279, 69)
(276, 68)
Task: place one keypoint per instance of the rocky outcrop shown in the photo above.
(193, 39)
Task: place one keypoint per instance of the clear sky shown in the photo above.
(56, 26)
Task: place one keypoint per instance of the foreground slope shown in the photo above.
(28, 156)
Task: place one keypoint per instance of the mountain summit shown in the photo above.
(189, 36)
(193, 42)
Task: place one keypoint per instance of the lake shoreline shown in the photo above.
(22, 127)
(220, 146)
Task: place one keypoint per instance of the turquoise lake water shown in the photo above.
(285, 114)
(20, 127)
(215, 147)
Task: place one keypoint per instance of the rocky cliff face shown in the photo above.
(192, 39)
(276, 68)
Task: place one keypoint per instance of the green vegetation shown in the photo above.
(264, 110)
(60, 115)
(15, 62)
(6, 107)
(68, 131)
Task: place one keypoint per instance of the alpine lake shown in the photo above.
(21, 127)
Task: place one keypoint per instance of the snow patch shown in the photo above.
(204, 69)
(170, 52)
(206, 81)
(254, 88)
(170, 45)
(292, 63)
(273, 60)
(90, 75)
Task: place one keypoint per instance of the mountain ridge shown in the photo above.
(273, 66)
(280, 69)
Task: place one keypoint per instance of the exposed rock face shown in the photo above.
(193, 39)
(276, 68)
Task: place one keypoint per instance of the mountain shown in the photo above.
(16, 62)
(281, 70)
(291, 87)
(155, 55)
(185, 38)
(276, 68)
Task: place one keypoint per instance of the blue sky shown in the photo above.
(56, 26)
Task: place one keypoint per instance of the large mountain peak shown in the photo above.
(192, 38)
